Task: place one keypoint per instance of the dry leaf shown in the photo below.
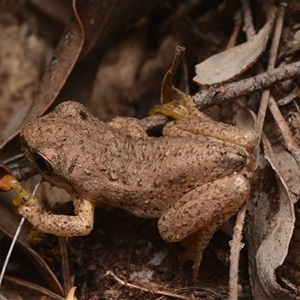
(234, 61)
(271, 217)
(22, 58)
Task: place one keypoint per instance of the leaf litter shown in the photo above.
(270, 211)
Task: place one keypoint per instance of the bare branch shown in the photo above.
(272, 59)
(215, 95)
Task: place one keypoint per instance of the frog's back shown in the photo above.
(153, 173)
(101, 163)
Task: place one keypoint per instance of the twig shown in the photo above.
(216, 95)
(236, 242)
(272, 59)
(236, 29)
(20, 167)
(154, 121)
(288, 98)
(235, 249)
(15, 238)
(129, 285)
(248, 21)
(285, 131)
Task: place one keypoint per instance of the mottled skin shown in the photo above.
(191, 183)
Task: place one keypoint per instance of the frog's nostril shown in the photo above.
(43, 165)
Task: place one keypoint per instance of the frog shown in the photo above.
(193, 178)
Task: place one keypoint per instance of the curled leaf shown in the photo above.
(234, 61)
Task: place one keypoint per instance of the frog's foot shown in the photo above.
(61, 225)
(195, 245)
(202, 211)
(179, 109)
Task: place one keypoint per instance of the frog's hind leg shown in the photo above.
(202, 211)
(197, 127)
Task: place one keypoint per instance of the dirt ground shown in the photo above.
(132, 249)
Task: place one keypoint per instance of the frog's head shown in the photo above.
(49, 143)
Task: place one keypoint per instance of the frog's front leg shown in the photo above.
(202, 211)
(61, 225)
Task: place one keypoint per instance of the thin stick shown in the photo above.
(236, 29)
(129, 285)
(273, 54)
(216, 95)
(236, 242)
(248, 21)
(285, 131)
(288, 98)
(15, 238)
(237, 237)
(235, 249)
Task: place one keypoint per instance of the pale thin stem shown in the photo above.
(236, 29)
(285, 131)
(129, 285)
(216, 95)
(235, 249)
(15, 238)
(248, 20)
(236, 245)
(273, 53)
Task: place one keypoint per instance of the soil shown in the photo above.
(133, 250)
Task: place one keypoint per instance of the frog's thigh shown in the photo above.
(61, 225)
(209, 128)
(208, 206)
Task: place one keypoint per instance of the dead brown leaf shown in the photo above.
(269, 229)
(232, 62)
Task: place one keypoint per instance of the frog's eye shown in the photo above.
(43, 164)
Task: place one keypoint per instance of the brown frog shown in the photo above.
(193, 178)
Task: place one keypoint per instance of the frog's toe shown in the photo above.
(195, 245)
